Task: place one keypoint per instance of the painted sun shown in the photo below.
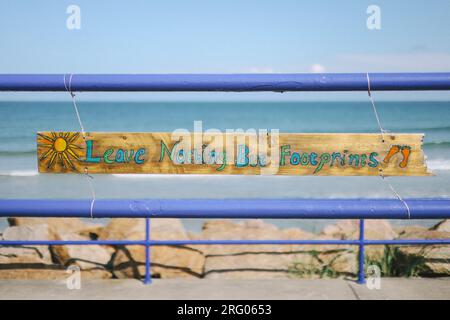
(60, 149)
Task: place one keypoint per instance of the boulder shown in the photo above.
(268, 261)
(121, 228)
(342, 260)
(60, 225)
(16, 256)
(166, 261)
(87, 257)
(349, 229)
(373, 229)
(245, 230)
(28, 254)
(444, 225)
(41, 262)
(18, 262)
(406, 232)
(430, 260)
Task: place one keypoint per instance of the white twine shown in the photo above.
(91, 187)
(69, 90)
(399, 197)
(382, 131)
(88, 176)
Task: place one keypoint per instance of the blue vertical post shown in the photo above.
(361, 274)
(148, 276)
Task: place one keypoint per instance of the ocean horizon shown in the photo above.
(21, 120)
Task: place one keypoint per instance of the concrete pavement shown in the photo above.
(391, 288)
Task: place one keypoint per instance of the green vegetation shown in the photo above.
(395, 263)
(317, 266)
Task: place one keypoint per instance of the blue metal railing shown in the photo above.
(232, 209)
(265, 208)
(238, 209)
(225, 82)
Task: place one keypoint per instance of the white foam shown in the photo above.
(20, 173)
(439, 164)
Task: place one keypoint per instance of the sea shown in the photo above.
(19, 178)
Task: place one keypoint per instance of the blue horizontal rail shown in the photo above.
(224, 242)
(236, 208)
(225, 82)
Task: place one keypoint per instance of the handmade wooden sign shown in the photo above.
(225, 153)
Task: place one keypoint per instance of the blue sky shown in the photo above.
(232, 36)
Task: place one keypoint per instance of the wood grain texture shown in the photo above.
(334, 154)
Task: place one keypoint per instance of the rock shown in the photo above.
(87, 257)
(166, 261)
(430, 260)
(444, 225)
(327, 260)
(409, 231)
(341, 260)
(37, 262)
(425, 234)
(18, 256)
(349, 229)
(297, 234)
(120, 229)
(373, 229)
(18, 262)
(379, 229)
(269, 261)
(247, 230)
(29, 254)
(333, 231)
(60, 225)
(427, 261)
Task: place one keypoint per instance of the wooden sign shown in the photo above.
(202, 153)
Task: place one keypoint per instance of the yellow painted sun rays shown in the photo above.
(60, 149)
